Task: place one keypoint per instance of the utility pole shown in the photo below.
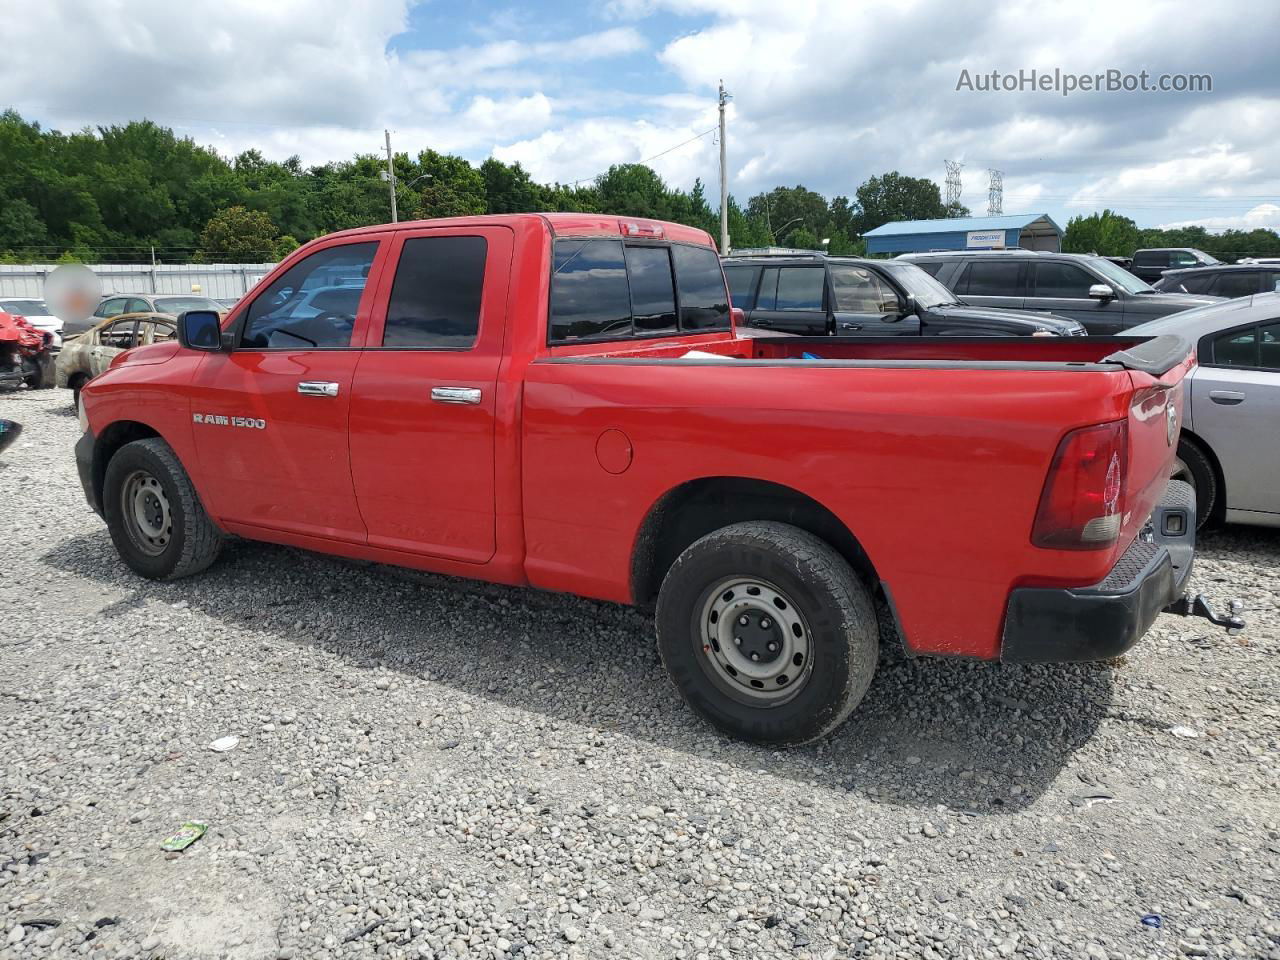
(724, 180)
(391, 178)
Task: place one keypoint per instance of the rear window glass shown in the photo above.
(704, 300)
(742, 286)
(991, 278)
(800, 288)
(589, 295)
(1236, 348)
(653, 293)
(435, 300)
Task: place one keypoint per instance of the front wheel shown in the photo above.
(156, 520)
(767, 632)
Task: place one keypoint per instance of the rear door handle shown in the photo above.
(1228, 397)
(469, 395)
(850, 326)
(317, 388)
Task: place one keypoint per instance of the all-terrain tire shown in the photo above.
(835, 614)
(186, 540)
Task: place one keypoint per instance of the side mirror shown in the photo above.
(200, 330)
(1101, 291)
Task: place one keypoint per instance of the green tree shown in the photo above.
(895, 196)
(239, 235)
(1106, 233)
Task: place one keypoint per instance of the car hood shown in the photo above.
(1178, 301)
(1027, 318)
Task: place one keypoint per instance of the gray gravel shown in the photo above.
(433, 768)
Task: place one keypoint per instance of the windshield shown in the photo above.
(1120, 277)
(1205, 257)
(176, 305)
(927, 291)
(30, 308)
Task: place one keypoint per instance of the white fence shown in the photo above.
(219, 280)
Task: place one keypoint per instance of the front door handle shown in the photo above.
(317, 388)
(844, 325)
(455, 394)
(1228, 397)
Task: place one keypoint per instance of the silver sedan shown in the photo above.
(1228, 449)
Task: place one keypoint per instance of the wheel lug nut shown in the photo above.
(755, 656)
(766, 623)
(738, 641)
(773, 647)
(743, 620)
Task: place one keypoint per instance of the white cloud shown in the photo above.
(826, 93)
(1263, 216)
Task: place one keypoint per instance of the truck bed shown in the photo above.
(1151, 355)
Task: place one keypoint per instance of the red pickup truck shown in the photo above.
(562, 401)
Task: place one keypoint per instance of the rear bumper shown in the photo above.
(1053, 625)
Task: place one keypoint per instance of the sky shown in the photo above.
(824, 94)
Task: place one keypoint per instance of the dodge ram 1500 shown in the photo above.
(562, 401)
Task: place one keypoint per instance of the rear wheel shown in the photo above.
(156, 520)
(767, 632)
(1193, 466)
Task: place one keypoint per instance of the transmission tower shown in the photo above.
(995, 193)
(953, 183)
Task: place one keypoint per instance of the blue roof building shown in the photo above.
(1030, 231)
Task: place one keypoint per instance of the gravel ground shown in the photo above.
(432, 768)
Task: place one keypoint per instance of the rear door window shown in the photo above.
(991, 278)
(1151, 258)
(742, 286)
(1236, 283)
(704, 299)
(800, 288)
(435, 298)
(589, 294)
(653, 292)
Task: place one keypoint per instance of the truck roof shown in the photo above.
(559, 224)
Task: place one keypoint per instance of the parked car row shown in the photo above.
(844, 296)
(1104, 297)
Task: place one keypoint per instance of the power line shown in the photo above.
(650, 159)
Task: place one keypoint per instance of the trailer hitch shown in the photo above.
(1198, 606)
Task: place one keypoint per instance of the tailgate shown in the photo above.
(1156, 370)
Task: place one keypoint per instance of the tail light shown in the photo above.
(1082, 505)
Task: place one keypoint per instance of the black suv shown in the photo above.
(1240, 280)
(818, 296)
(1087, 288)
(1149, 264)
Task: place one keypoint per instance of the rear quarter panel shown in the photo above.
(937, 472)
